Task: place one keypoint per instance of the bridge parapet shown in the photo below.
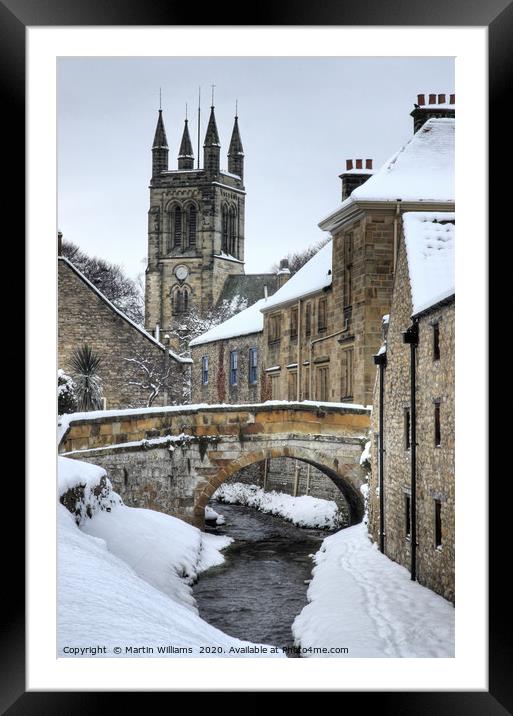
(85, 431)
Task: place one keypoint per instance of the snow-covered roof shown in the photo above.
(104, 298)
(311, 278)
(429, 240)
(422, 170)
(248, 321)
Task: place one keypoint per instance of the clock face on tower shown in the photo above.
(181, 272)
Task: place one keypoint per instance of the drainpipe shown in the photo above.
(411, 336)
(298, 381)
(396, 218)
(381, 361)
(318, 340)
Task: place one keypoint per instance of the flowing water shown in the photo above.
(258, 591)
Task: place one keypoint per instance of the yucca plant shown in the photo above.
(88, 384)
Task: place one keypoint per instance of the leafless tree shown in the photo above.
(297, 259)
(127, 295)
(157, 375)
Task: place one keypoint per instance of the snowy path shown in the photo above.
(361, 600)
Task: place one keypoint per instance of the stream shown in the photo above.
(258, 591)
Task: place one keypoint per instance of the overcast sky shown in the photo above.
(299, 121)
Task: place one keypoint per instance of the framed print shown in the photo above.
(267, 443)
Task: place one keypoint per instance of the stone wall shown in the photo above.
(218, 388)
(435, 465)
(85, 317)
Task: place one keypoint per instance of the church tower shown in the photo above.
(195, 226)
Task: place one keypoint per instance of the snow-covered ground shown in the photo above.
(303, 511)
(124, 579)
(361, 600)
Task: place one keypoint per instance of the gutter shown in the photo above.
(381, 360)
(411, 336)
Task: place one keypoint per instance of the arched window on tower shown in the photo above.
(224, 244)
(192, 220)
(177, 226)
(233, 232)
(180, 301)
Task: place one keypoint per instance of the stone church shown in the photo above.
(196, 231)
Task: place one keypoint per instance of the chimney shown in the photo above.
(283, 273)
(432, 105)
(59, 243)
(355, 175)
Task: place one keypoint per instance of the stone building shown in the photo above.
(411, 496)
(196, 231)
(365, 229)
(85, 315)
(227, 360)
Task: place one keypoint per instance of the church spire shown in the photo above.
(236, 152)
(160, 149)
(186, 154)
(211, 146)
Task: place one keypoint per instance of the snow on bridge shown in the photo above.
(173, 459)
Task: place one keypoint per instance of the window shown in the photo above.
(293, 322)
(232, 235)
(436, 341)
(348, 270)
(306, 383)
(274, 328)
(253, 366)
(348, 286)
(407, 428)
(177, 226)
(275, 387)
(322, 383)
(438, 523)
(347, 374)
(180, 301)
(292, 386)
(438, 434)
(407, 515)
(204, 370)
(192, 225)
(224, 244)
(321, 315)
(308, 319)
(234, 360)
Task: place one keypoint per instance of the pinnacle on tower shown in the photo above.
(160, 149)
(211, 146)
(186, 154)
(236, 152)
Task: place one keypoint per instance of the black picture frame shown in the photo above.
(497, 15)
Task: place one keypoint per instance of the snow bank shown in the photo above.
(429, 239)
(163, 550)
(361, 600)
(312, 277)
(125, 574)
(303, 511)
(103, 603)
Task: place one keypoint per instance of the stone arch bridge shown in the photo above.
(173, 459)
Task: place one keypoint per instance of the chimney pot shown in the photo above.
(441, 99)
(59, 243)
(349, 164)
(358, 163)
(432, 99)
(452, 98)
(368, 164)
(421, 99)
